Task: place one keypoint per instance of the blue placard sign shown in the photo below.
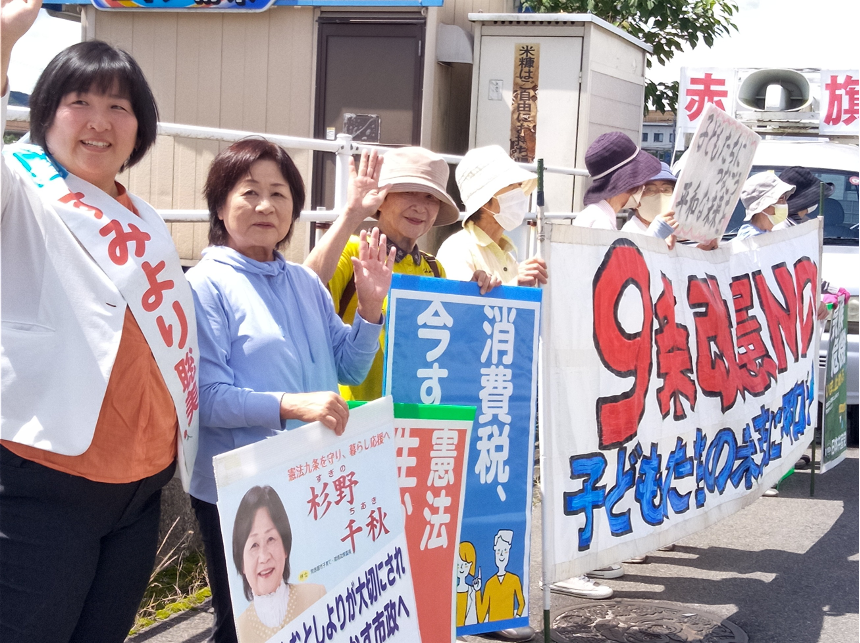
(446, 344)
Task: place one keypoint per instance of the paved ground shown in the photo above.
(785, 569)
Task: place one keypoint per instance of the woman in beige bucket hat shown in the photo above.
(411, 200)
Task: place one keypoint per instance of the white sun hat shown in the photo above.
(761, 191)
(486, 170)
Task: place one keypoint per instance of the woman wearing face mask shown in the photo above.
(654, 216)
(619, 170)
(765, 198)
(495, 193)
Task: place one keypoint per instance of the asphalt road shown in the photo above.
(784, 569)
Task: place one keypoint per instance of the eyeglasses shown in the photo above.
(653, 190)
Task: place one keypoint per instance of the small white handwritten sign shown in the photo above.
(720, 158)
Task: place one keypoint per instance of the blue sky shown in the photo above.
(772, 33)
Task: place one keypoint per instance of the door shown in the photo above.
(369, 79)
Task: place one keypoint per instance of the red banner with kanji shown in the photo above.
(432, 450)
(839, 102)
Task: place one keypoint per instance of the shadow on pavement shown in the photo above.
(805, 588)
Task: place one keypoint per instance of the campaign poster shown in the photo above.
(447, 344)
(834, 436)
(709, 186)
(677, 385)
(314, 537)
(432, 444)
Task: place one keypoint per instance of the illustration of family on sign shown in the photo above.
(501, 598)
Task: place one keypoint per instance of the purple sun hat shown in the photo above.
(616, 165)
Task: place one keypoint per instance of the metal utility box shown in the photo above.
(547, 85)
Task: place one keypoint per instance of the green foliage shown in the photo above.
(666, 25)
(10, 137)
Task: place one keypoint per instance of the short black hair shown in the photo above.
(232, 165)
(94, 66)
(254, 499)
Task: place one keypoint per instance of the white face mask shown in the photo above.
(652, 206)
(513, 206)
(635, 198)
(780, 213)
(811, 209)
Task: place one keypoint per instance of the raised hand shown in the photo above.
(363, 195)
(320, 406)
(476, 581)
(532, 272)
(363, 199)
(16, 18)
(373, 268)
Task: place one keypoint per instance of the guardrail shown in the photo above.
(343, 147)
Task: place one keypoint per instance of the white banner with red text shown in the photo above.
(676, 385)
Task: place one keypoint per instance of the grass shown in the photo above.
(178, 583)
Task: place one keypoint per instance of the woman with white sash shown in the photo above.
(99, 350)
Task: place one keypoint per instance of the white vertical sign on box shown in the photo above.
(720, 157)
(839, 102)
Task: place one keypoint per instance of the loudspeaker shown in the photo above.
(775, 90)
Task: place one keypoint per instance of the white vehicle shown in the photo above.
(840, 264)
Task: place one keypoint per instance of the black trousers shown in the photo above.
(75, 555)
(223, 630)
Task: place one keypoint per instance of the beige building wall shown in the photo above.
(251, 72)
(453, 81)
(256, 72)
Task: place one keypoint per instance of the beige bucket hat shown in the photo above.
(414, 169)
(486, 170)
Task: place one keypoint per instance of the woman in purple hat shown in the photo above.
(619, 170)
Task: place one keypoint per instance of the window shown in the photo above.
(644, 137)
(671, 137)
(658, 137)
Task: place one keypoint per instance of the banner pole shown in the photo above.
(540, 210)
(543, 405)
(820, 420)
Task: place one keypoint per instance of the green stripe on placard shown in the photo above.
(428, 411)
(434, 412)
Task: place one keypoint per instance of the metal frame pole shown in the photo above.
(341, 170)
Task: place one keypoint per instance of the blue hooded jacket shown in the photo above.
(265, 329)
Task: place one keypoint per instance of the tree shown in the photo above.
(666, 25)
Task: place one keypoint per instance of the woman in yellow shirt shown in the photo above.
(412, 200)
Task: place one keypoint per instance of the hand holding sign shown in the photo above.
(709, 186)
